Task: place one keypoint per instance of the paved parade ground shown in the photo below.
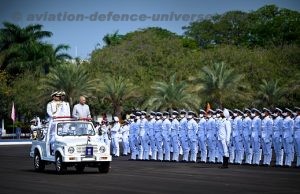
(17, 176)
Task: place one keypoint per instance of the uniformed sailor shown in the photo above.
(35, 125)
(65, 109)
(266, 136)
(151, 134)
(219, 148)
(231, 146)
(211, 136)
(277, 136)
(224, 134)
(115, 137)
(287, 127)
(247, 124)
(183, 135)
(133, 138)
(54, 107)
(218, 119)
(174, 136)
(143, 136)
(297, 135)
(125, 137)
(202, 136)
(255, 136)
(105, 133)
(158, 153)
(192, 129)
(166, 134)
(237, 131)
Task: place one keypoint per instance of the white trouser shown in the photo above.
(203, 149)
(267, 151)
(125, 144)
(211, 146)
(115, 146)
(175, 146)
(289, 150)
(255, 142)
(277, 143)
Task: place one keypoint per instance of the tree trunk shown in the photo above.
(118, 110)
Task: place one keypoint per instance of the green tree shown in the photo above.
(27, 96)
(20, 47)
(116, 91)
(270, 93)
(112, 39)
(172, 94)
(265, 27)
(272, 26)
(55, 56)
(5, 94)
(218, 83)
(73, 79)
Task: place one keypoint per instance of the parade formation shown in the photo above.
(248, 137)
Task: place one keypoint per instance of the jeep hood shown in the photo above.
(78, 140)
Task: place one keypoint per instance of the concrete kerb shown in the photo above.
(15, 142)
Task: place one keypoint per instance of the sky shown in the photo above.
(82, 24)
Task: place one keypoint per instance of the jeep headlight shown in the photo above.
(102, 149)
(71, 150)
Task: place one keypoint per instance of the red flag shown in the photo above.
(13, 113)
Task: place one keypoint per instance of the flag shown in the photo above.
(207, 107)
(13, 113)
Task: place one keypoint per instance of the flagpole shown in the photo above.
(13, 117)
(13, 129)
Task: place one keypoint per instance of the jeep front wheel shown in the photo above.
(104, 167)
(60, 167)
(38, 163)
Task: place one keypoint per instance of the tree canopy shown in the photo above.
(236, 59)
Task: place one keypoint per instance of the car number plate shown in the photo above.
(89, 151)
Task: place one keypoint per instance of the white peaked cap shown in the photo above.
(226, 113)
(116, 119)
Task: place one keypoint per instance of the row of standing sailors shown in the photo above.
(254, 136)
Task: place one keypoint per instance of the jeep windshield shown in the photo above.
(75, 129)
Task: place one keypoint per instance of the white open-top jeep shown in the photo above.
(68, 142)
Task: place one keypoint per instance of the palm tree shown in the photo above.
(73, 79)
(54, 56)
(218, 83)
(59, 55)
(112, 39)
(171, 95)
(117, 90)
(270, 93)
(293, 93)
(18, 45)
